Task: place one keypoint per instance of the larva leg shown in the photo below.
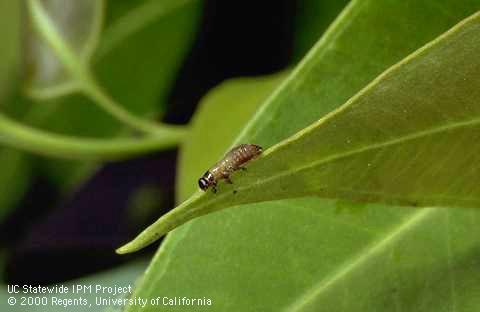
(214, 187)
(242, 168)
(226, 177)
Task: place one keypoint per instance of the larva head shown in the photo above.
(258, 149)
(203, 184)
(254, 150)
(206, 180)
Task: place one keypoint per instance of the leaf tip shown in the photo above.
(125, 249)
(144, 239)
(130, 247)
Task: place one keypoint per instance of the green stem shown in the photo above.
(46, 29)
(37, 141)
(80, 72)
(105, 101)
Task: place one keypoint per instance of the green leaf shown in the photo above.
(393, 132)
(15, 169)
(171, 22)
(9, 53)
(313, 254)
(150, 36)
(15, 177)
(79, 70)
(312, 18)
(159, 34)
(310, 255)
(228, 107)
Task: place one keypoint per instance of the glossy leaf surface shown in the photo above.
(390, 143)
(313, 254)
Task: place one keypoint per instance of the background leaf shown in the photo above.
(9, 54)
(15, 172)
(243, 96)
(311, 19)
(74, 114)
(312, 253)
(139, 30)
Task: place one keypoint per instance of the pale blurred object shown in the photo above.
(78, 22)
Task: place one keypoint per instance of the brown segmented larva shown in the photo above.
(232, 161)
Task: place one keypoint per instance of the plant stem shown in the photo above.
(91, 89)
(80, 72)
(37, 141)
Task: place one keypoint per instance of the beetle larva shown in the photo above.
(232, 161)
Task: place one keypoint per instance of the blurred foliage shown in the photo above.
(139, 29)
(78, 23)
(9, 53)
(311, 19)
(38, 92)
(301, 254)
(143, 203)
(15, 167)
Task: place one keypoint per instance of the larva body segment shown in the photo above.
(232, 161)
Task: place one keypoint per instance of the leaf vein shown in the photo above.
(396, 233)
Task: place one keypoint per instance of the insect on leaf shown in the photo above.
(313, 254)
(197, 154)
(388, 144)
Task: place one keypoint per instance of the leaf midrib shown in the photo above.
(402, 139)
(191, 207)
(335, 157)
(349, 104)
(362, 257)
(297, 76)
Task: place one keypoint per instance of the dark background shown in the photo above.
(46, 236)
